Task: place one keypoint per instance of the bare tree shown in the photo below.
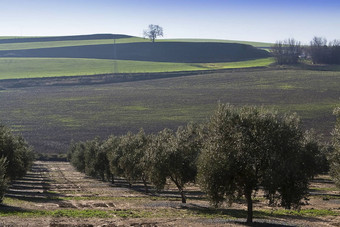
(287, 52)
(153, 32)
(321, 53)
(319, 50)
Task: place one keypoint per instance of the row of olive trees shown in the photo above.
(289, 51)
(237, 152)
(15, 158)
(150, 158)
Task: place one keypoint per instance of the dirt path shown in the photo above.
(54, 194)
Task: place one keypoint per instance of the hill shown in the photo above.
(62, 38)
(180, 52)
(33, 57)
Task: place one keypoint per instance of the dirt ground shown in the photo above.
(56, 186)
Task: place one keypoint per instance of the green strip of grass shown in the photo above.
(15, 68)
(255, 44)
(162, 213)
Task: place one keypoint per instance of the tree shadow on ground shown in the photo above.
(237, 216)
(33, 187)
(173, 194)
(5, 209)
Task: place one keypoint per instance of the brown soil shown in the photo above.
(56, 186)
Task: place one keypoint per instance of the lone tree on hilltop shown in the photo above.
(153, 32)
(248, 148)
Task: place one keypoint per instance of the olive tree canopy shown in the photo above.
(250, 147)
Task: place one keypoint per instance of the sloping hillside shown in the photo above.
(33, 57)
(63, 38)
(185, 52)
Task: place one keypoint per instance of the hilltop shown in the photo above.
(23, 39)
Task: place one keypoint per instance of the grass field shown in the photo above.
(30, 57)
(14, 68)
(50, 117)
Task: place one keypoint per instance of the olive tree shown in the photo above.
(76, 156)
(102, 165)
(132, 161)
(173, 156)
(153, 32)
(248, 148)
(114, 153)
(161, 144)
(17, 152)
(92, 148)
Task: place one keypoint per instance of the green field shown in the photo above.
(15, 68)
(49, 117)
(36, 57)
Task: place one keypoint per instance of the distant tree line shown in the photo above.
(321, 53)
(290, 51)
(234, 154)
(15, 158)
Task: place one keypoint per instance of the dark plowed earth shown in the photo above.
(144, 51)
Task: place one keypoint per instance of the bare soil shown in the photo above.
(56, 186)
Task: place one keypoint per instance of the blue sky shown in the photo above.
(253, 20)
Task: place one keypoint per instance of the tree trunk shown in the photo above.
(145, 184)
(112, 179)
(180, 189)
(184, 199)
(250, 206)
